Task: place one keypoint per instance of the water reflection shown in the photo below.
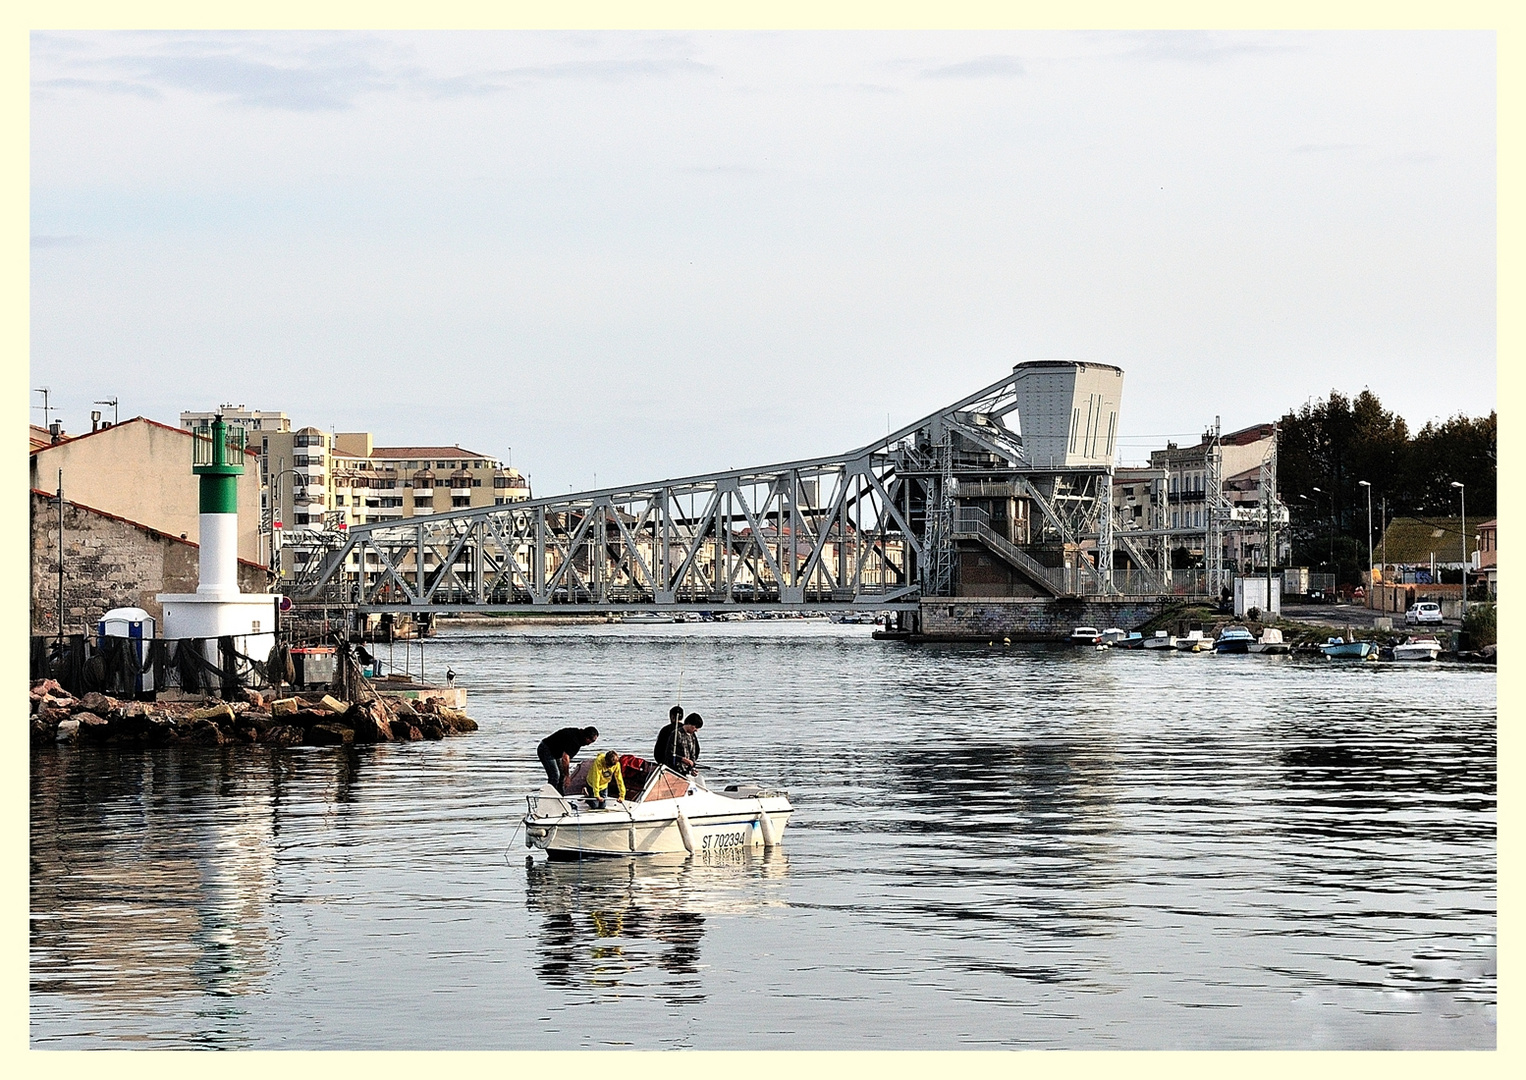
(150, 877)
(612, 924)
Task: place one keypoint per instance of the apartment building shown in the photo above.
(1236, 461)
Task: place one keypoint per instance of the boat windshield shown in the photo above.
(664, 784)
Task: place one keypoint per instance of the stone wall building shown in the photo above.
(110, 561)
(140, 470)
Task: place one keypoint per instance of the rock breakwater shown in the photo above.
(308, 719)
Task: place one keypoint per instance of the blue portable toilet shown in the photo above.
(134, 623)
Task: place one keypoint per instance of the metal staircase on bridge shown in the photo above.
(974, 524)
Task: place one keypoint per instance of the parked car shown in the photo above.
(1424, 612)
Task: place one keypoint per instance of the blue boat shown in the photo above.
(1234, 639)
(1340, 649)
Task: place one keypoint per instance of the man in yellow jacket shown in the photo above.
(604, 773)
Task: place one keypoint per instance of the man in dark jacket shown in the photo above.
(677, 744)
(557, 750)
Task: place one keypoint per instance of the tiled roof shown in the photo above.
(112, 427)
(1415, 540)
(427, 452)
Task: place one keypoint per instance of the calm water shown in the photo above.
(991, 848)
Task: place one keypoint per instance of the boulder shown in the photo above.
(370, 723)
(205, 733)
(284, 707)
(42, 732)
(403, 707)
(456, 721)
(92, 728)
(329, 735)
(252, 697)
(403, 731)
(43, 687)
(99, 704)
(283, 735)
(431, 727)
(219, 713)
(332, 704)
(67, 730)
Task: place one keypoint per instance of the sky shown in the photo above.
(621, 257)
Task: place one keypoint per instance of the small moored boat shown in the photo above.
(1135, 640)
(1085, 635)
(667, 814)
(1194, 642)
(1420, 647)
(1341, 649)
(1234, 639)
(1270, 642)
(1113, 635)
(1160, 640)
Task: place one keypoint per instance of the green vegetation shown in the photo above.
(1479, 625)
(1334, 444)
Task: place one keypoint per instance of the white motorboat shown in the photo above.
(1113, 635)
(670, 814)
(1161, 640)
(1085, 635)
(1269, 642)
(1420, 647)
(1194, 642)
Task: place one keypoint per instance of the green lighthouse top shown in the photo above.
(217, 450)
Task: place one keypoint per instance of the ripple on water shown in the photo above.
(991, 847)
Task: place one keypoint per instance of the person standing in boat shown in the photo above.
(677, 744)
(603, 774)
(557, 750)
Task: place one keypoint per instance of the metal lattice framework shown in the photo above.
(872, 528)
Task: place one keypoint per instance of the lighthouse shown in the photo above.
(217, 608)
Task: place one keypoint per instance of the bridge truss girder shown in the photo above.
(863, 529)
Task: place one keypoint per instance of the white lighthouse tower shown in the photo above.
(217, 609)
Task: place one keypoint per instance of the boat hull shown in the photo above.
(1351, 650)
(1416, 652)
(705, 825)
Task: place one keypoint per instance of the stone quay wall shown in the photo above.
(1021, 619)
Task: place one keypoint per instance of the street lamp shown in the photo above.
(1365, 484)
(1462, 493)
(1335, 570)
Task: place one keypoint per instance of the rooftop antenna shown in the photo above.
(43, 390)
(113, 403)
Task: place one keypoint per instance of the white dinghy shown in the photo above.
(670, 814)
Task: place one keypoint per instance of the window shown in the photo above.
(501, 482)
(1175, 524)
(476, 481)
(460, 500)
(303, 519)
(385, 484)
(394, 500)
(338, 500)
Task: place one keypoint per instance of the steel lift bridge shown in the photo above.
(877, 528)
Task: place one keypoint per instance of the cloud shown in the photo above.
(103, 86)
(980, 67)
(1195, 46)
(316, 75)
